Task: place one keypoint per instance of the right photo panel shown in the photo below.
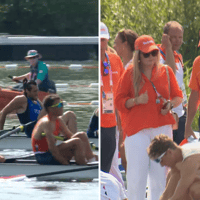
(149, 97)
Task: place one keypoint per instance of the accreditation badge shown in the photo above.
(108, 105)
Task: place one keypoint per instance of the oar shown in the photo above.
(22, 177)
(61, 138)
(86, 168)
(11, 77)
(17, 130)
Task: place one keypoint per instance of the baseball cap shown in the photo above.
(104, 31)
(145, 43)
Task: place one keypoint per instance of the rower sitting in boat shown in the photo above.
(51, 125)
(39, 73)
(29, 108)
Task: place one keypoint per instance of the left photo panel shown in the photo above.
(49, 99)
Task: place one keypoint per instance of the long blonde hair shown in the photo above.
(137, 71)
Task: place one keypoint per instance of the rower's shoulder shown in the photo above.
(19, 100)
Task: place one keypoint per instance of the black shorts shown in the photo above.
(46, 159)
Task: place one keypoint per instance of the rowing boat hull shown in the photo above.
(20, 141)
(55, 172)
(6, 95)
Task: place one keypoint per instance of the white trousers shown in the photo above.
(139, 166)
(114, 170)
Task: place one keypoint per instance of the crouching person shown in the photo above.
(183, 181)
(44, 142)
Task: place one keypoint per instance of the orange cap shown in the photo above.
(145, 43)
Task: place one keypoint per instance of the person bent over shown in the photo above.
(44, 145)
(183, 181)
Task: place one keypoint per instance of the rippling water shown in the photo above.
(30, 188)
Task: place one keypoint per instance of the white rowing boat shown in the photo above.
(29, 168)
(20, 141)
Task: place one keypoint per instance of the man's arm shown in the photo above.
(17, 103)
(52, 147)
(170, 60)
(192, 109)
(64, 129)
(22, 77)
(188, 173)
(172, 181)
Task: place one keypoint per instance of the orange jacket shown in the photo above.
(195, 76)
(148, 115)
(109, 120)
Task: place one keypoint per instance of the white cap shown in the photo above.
(104, 31)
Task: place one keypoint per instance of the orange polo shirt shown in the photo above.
(195, 76)
(148, 115)
(109, 120)
(122, 114)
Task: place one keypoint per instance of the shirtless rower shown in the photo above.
(51, 125)
(183, 181)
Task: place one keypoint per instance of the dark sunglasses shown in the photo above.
(158, 160)
(105, 70)
(58, 105)
(153, 53)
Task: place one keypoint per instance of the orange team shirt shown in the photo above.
(42, 145)
(195, 76)
(122, 114)
(148, 115)
(109, 120)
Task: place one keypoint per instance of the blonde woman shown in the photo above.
(142, 94)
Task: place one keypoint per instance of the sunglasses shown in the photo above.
(158, 160)
(105, 70)
(58, 105)
(153, 53)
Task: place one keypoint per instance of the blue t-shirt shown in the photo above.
(31, 114)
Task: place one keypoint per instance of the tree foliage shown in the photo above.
(49, 18)
(150, 16)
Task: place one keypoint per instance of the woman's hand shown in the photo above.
(166, 108)
(142, 99)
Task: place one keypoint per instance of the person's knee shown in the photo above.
(81, 135)
(70, 115)
(194, 191)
